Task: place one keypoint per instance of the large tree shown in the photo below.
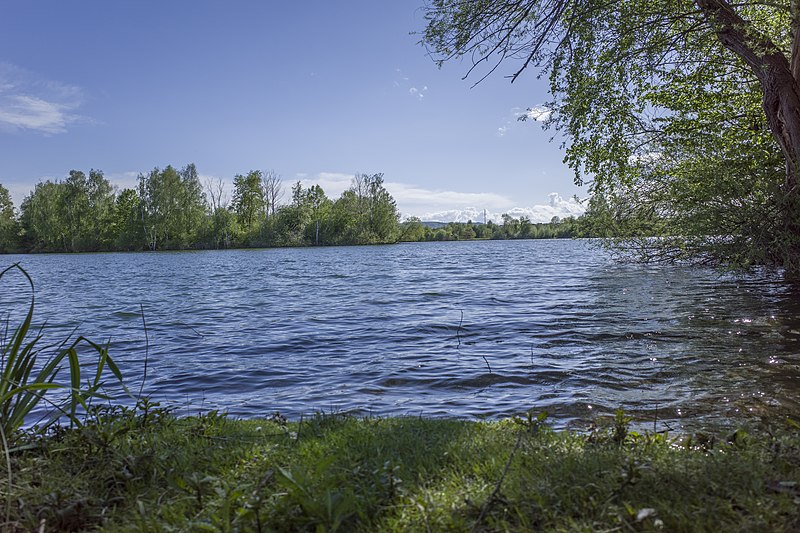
(683, 112)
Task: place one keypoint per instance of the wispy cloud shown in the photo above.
(333, 183)
(415, 199)
(29, 103)
(537, 113)
(418, 93)
(414, 90)
(125, 180)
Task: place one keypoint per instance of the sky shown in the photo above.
(314, 90)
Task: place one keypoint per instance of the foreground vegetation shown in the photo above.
(147, 470)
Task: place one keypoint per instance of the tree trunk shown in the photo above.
(778, 76)
(773, 70)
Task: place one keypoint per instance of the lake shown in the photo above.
(458, 329)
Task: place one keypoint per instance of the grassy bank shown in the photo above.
(146, 470)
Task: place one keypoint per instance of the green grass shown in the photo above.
(29, 370)
(147, 470)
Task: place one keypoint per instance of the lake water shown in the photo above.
(461, 329)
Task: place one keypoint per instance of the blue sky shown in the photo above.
(315, 90)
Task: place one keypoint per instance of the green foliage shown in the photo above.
(74, 215)
(673, 112)
(126, 227)
(168, 210)
(172, 207)
(414, 230)
(25, 379)
(249, 202)
(9, 227)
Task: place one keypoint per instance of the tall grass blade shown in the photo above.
(23, 388)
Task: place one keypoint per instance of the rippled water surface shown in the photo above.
(466, 329)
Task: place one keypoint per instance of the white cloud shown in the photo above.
(538, 113)
(413, 89)
(333, 183)
(419, 93)
(32, 113)
(128, 180)
(414, 199)
(556, 207)
(28, 103)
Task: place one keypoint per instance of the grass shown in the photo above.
(29, 371)
(144, 469)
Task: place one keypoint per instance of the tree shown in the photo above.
(272, 191)
(172, 207)
(690, 107)
(43, 220)
(9, 228)
(193, 207)
(249, 203)
(412, 230)
(289, 224)
(318, 206)
(366, 212)
(383, 215)
(126, 229)
(223, 228)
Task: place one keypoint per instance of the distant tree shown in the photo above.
(249, 203)
(126, 229)
(319, 207)
(366, 212)
(525, 228)
(412, 230)
(193, 206)
(383, 215)
(272, 191)
(9, 228)
(87, 210)
(43, 218)
(223, 229)
(172, 207)
(291, 220)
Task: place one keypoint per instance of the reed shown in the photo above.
(29, 369)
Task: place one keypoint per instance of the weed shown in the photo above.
(25, 380)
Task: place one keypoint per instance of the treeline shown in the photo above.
(415, 230)
(171, 209)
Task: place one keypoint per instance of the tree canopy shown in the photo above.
(682, 116)
(170, 210)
